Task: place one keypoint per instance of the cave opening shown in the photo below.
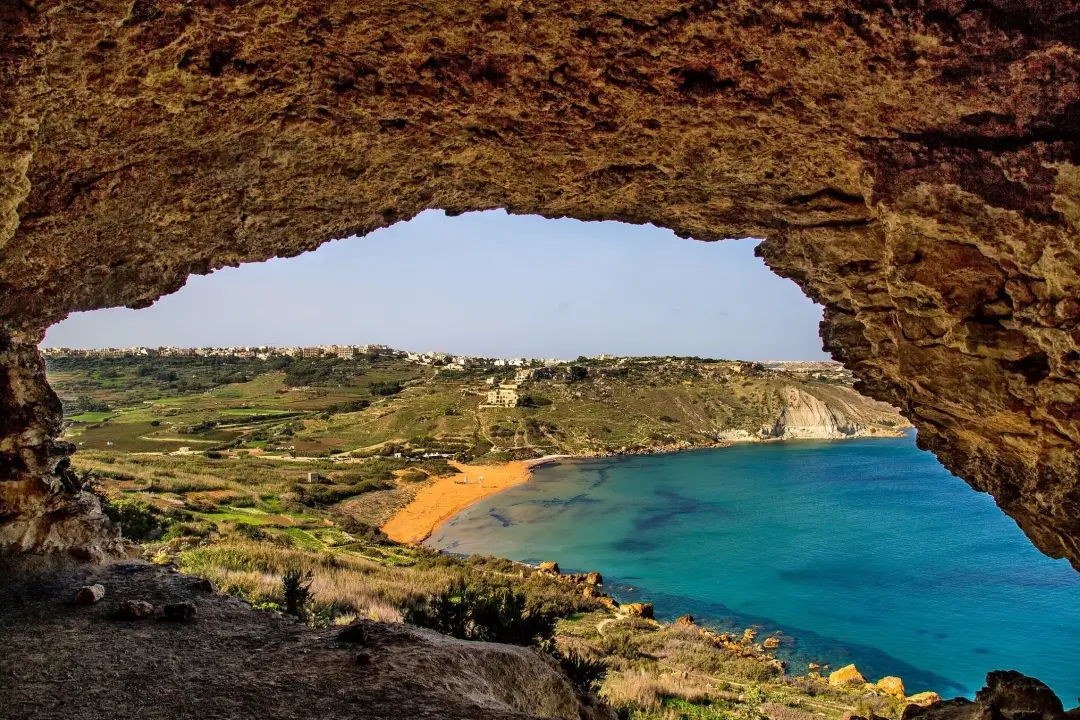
(593, 289)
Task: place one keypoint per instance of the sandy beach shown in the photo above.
(448, 496)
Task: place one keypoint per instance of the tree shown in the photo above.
(576, 373)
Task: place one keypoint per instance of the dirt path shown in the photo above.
(448, 496)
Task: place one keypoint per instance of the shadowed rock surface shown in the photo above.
(65, 660)
(912, 164)
(1008, 695)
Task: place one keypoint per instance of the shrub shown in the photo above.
(621, 644)
(137, 521)
(754, 695)
(585, 672)
(312, 495)
(296, 586)
(384, 387)
(490, 614)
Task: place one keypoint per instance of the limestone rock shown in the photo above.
(771, 643)
(352, 633)
(89, 594)
(928, 194)
(685, 620)
(1008, 695)
(203, 585)
(135, 610)
(594, 578)
(642, 610)
(1018, 697)
(924, 699)
(847, 675)
(892, 685)
(550, 568)
(180, 611)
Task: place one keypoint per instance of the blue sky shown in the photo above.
(490, 284)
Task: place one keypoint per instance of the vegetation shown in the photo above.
(272, 479)
(386, 407)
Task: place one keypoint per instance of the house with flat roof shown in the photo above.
(505, 395)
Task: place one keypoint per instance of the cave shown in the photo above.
(913, 165)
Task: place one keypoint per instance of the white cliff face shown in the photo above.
(806, 416)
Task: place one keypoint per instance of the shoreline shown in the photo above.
(448, 496)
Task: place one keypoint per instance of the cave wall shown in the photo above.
(914, 165)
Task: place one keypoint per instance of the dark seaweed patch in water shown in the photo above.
(579, 499)
(502, 519)
(674, 505)
(982, 651)
(634, 544)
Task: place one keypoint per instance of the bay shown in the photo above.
(864, 551)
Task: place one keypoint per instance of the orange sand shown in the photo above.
(448, 496)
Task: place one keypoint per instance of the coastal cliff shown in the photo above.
(838, 415)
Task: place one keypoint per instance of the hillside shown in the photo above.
(386, 405)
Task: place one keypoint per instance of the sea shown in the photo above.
(859, 551)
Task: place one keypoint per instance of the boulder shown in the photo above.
(353, 633)
(180, 611)
(594, 578)
(608, 602)
(892, 685)
(89, 594)
(643, 610)
(923, 699)
(590, 592)
(134, 610)
(1014, 696)
(1008, 695)
(685, 620)
(550, 568)
(203, 585)
(772, 643)
(847, 675)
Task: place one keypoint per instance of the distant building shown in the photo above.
(505, 395)
(311, 352)
(522, 376)
(345, 352)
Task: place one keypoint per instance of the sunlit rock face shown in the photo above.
(914, 165)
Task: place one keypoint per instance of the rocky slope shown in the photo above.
(62, 659)
(912, 164)
(805, 416)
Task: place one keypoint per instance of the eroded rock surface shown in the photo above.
(912, 164)
(74, 661)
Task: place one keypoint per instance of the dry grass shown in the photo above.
(647, 690)
(776, 711)
(349, 583)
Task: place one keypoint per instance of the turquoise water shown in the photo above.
(864, 551)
